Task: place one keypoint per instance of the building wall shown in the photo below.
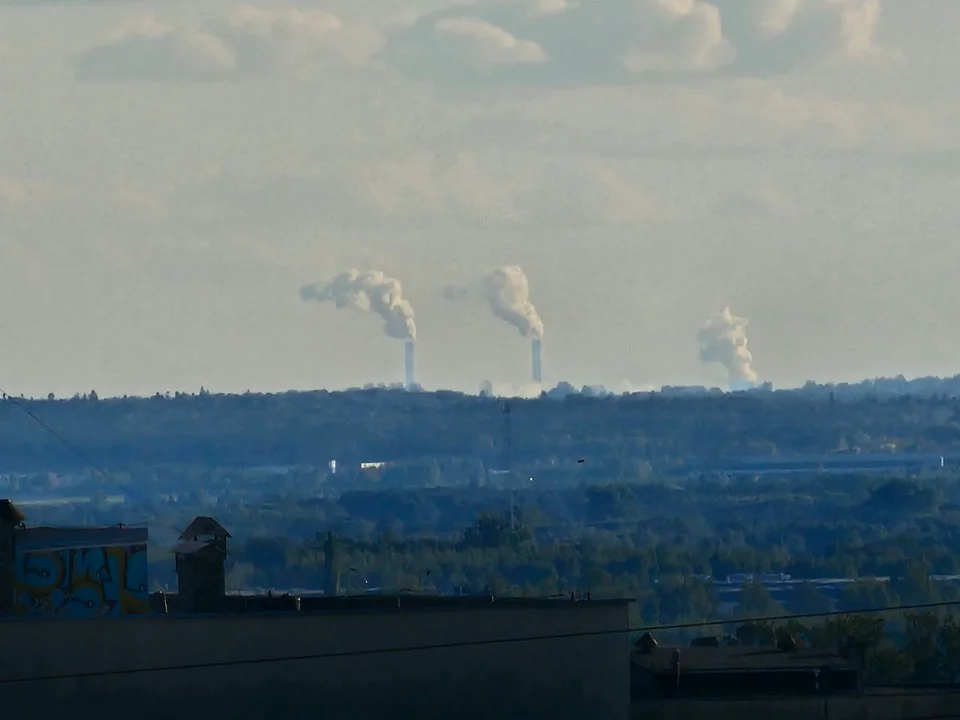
(893, 705)
(574, 677)
(68, 574)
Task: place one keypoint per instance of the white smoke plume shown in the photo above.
(724, 340)
(507, 291)
(368, 291)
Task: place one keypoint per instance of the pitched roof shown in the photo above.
(203, 525)
(189, 547)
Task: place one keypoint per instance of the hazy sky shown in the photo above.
(172, 172)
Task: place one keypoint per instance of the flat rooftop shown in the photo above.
(39, 539)
(739, 659)
(370, 602)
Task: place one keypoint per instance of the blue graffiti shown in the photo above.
(82, 582)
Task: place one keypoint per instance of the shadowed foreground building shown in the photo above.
(200, 556)
(736, 682)
(199, 654)
(71, 571)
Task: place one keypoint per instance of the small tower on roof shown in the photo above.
(200, 556)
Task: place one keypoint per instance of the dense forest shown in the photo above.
(312, 428)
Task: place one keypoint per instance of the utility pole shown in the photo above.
(507, 462)
(507, 439)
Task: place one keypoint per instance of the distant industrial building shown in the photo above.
(202, 653)
(827, 463)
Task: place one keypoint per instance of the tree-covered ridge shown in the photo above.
(663, 498)
(311, 428)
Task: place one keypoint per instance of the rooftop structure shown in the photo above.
(371, 655)
(203, 526)
(704, 671)
(71, 571)
(372, 603)
(200, 556)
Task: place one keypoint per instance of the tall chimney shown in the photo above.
(537, 366)
(408, 365)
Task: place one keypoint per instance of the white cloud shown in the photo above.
(54, 3)
(417, 189)
(679, 36)
(485, 45)
(16, 192)
(778, 35)
(622, 40)
(250, 41)
(760, 202)
(788, 173)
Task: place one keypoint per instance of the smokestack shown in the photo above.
(537, 361)
(408, 365)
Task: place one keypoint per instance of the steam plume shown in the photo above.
(724, 340)
(368, 291)
(507, 291)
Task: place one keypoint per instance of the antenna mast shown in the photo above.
(507, 440)
(508, 456)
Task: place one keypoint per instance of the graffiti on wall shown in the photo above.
(82, 582)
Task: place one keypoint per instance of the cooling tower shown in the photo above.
(408, 365)
(537, 364)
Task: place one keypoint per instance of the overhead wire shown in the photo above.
(81, 455)
(421, 648)
(239, 662)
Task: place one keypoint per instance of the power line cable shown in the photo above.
(69, 445)
(806, 616)
(80, 454)
(462, 644)
(422, 648)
